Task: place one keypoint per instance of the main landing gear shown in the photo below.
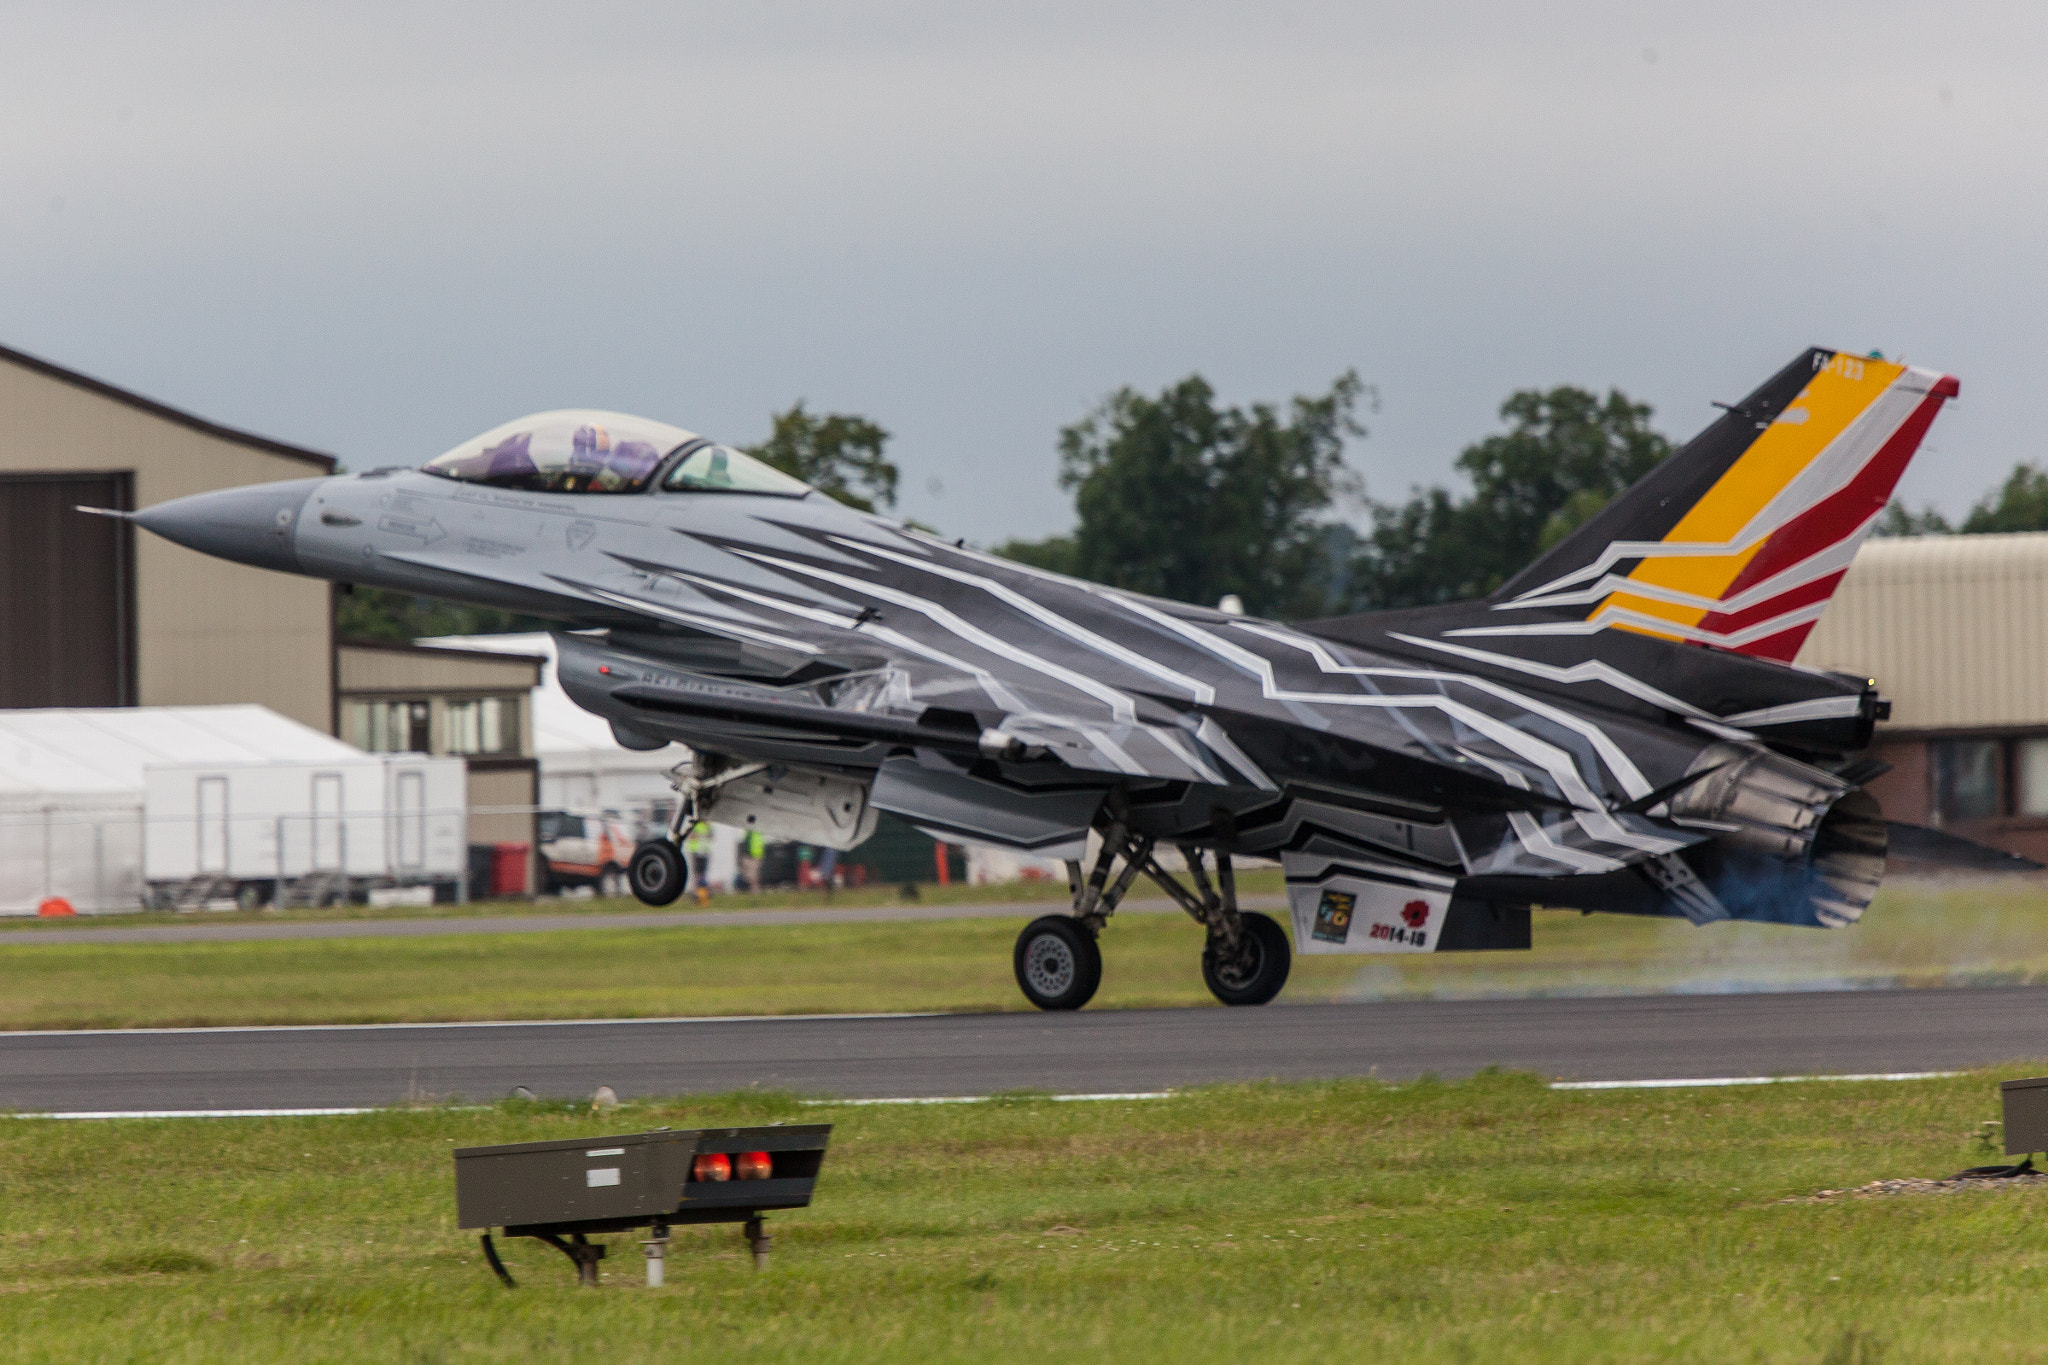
(1059, 963)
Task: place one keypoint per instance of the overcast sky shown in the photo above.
(377, 230)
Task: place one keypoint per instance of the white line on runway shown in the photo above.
(460, 1023)
(323, 1113)
(1749, 1080)
(196, 1114)
(986, 1099)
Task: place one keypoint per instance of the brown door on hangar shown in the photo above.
(67, 591)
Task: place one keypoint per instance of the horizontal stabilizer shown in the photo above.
(1939, 848)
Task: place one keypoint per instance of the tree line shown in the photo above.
(1180, 496)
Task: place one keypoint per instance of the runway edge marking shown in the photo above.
(1749, 1080)
(5, 1034)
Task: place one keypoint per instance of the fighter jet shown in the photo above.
(1618, 729)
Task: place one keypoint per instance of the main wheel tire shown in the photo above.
(1257, 971)
(1058, 963)
(657, 872)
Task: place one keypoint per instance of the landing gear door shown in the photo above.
(1342, 906)
(784, 803)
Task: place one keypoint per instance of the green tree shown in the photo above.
(2019, 504)
(1056, 554)
(1901, 520)
(837, 453)
(1181, 498)
(381, 614)
(1565, 454)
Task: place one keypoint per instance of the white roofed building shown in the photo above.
(71, 789)
(1954, 629)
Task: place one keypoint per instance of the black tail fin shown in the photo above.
(1738, 540)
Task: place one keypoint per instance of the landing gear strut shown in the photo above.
(1059, 963)
(1247, 957)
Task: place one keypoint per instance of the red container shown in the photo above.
(508, 869)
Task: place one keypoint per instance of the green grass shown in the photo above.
(1486, 1220)
(1916, 934)
(1252, 882)
(957, 965)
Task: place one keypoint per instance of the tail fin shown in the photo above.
(1738, 540)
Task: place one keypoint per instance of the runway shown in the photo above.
(1092, 1051)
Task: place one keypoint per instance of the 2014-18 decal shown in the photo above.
(1333, 916)
(1414, 914)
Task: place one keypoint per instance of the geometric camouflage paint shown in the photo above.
(1748, 561)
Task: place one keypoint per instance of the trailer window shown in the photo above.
(326, 821)
(213, 824)
(412, 820)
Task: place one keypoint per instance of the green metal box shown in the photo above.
(608, 1184)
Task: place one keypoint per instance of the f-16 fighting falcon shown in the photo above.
(1619, 728)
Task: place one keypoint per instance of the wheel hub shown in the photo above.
(1049, 966)
(1237, 970)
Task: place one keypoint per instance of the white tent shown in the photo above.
(71, 789)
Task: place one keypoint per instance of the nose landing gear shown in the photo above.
(656, 873)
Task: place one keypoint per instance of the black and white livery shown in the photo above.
(1616, 730)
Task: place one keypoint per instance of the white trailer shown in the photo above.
(317, 831)
(71, 790)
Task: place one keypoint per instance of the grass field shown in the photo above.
(1487, 1220)
(1254, 881)
(1916, 934)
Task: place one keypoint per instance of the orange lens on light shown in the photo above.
(752, 1166)
(711, 1166)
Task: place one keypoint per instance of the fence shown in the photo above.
(114, 858)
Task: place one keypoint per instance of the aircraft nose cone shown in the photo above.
(255, 525)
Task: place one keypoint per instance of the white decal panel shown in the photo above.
(1351, 914)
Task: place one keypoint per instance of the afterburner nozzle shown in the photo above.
(256, 525)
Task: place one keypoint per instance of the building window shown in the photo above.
(2030, 777)
(1967, 780)
(483, 725)
(391, 727)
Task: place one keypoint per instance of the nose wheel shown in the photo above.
(657, 873)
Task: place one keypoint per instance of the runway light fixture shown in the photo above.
(565, 1192)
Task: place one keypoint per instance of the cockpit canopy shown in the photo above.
(578, 450)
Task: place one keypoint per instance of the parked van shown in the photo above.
(585, 849)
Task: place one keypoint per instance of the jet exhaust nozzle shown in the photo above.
(1798, 845)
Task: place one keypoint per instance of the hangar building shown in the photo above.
(92, 614)
(1955, 631)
